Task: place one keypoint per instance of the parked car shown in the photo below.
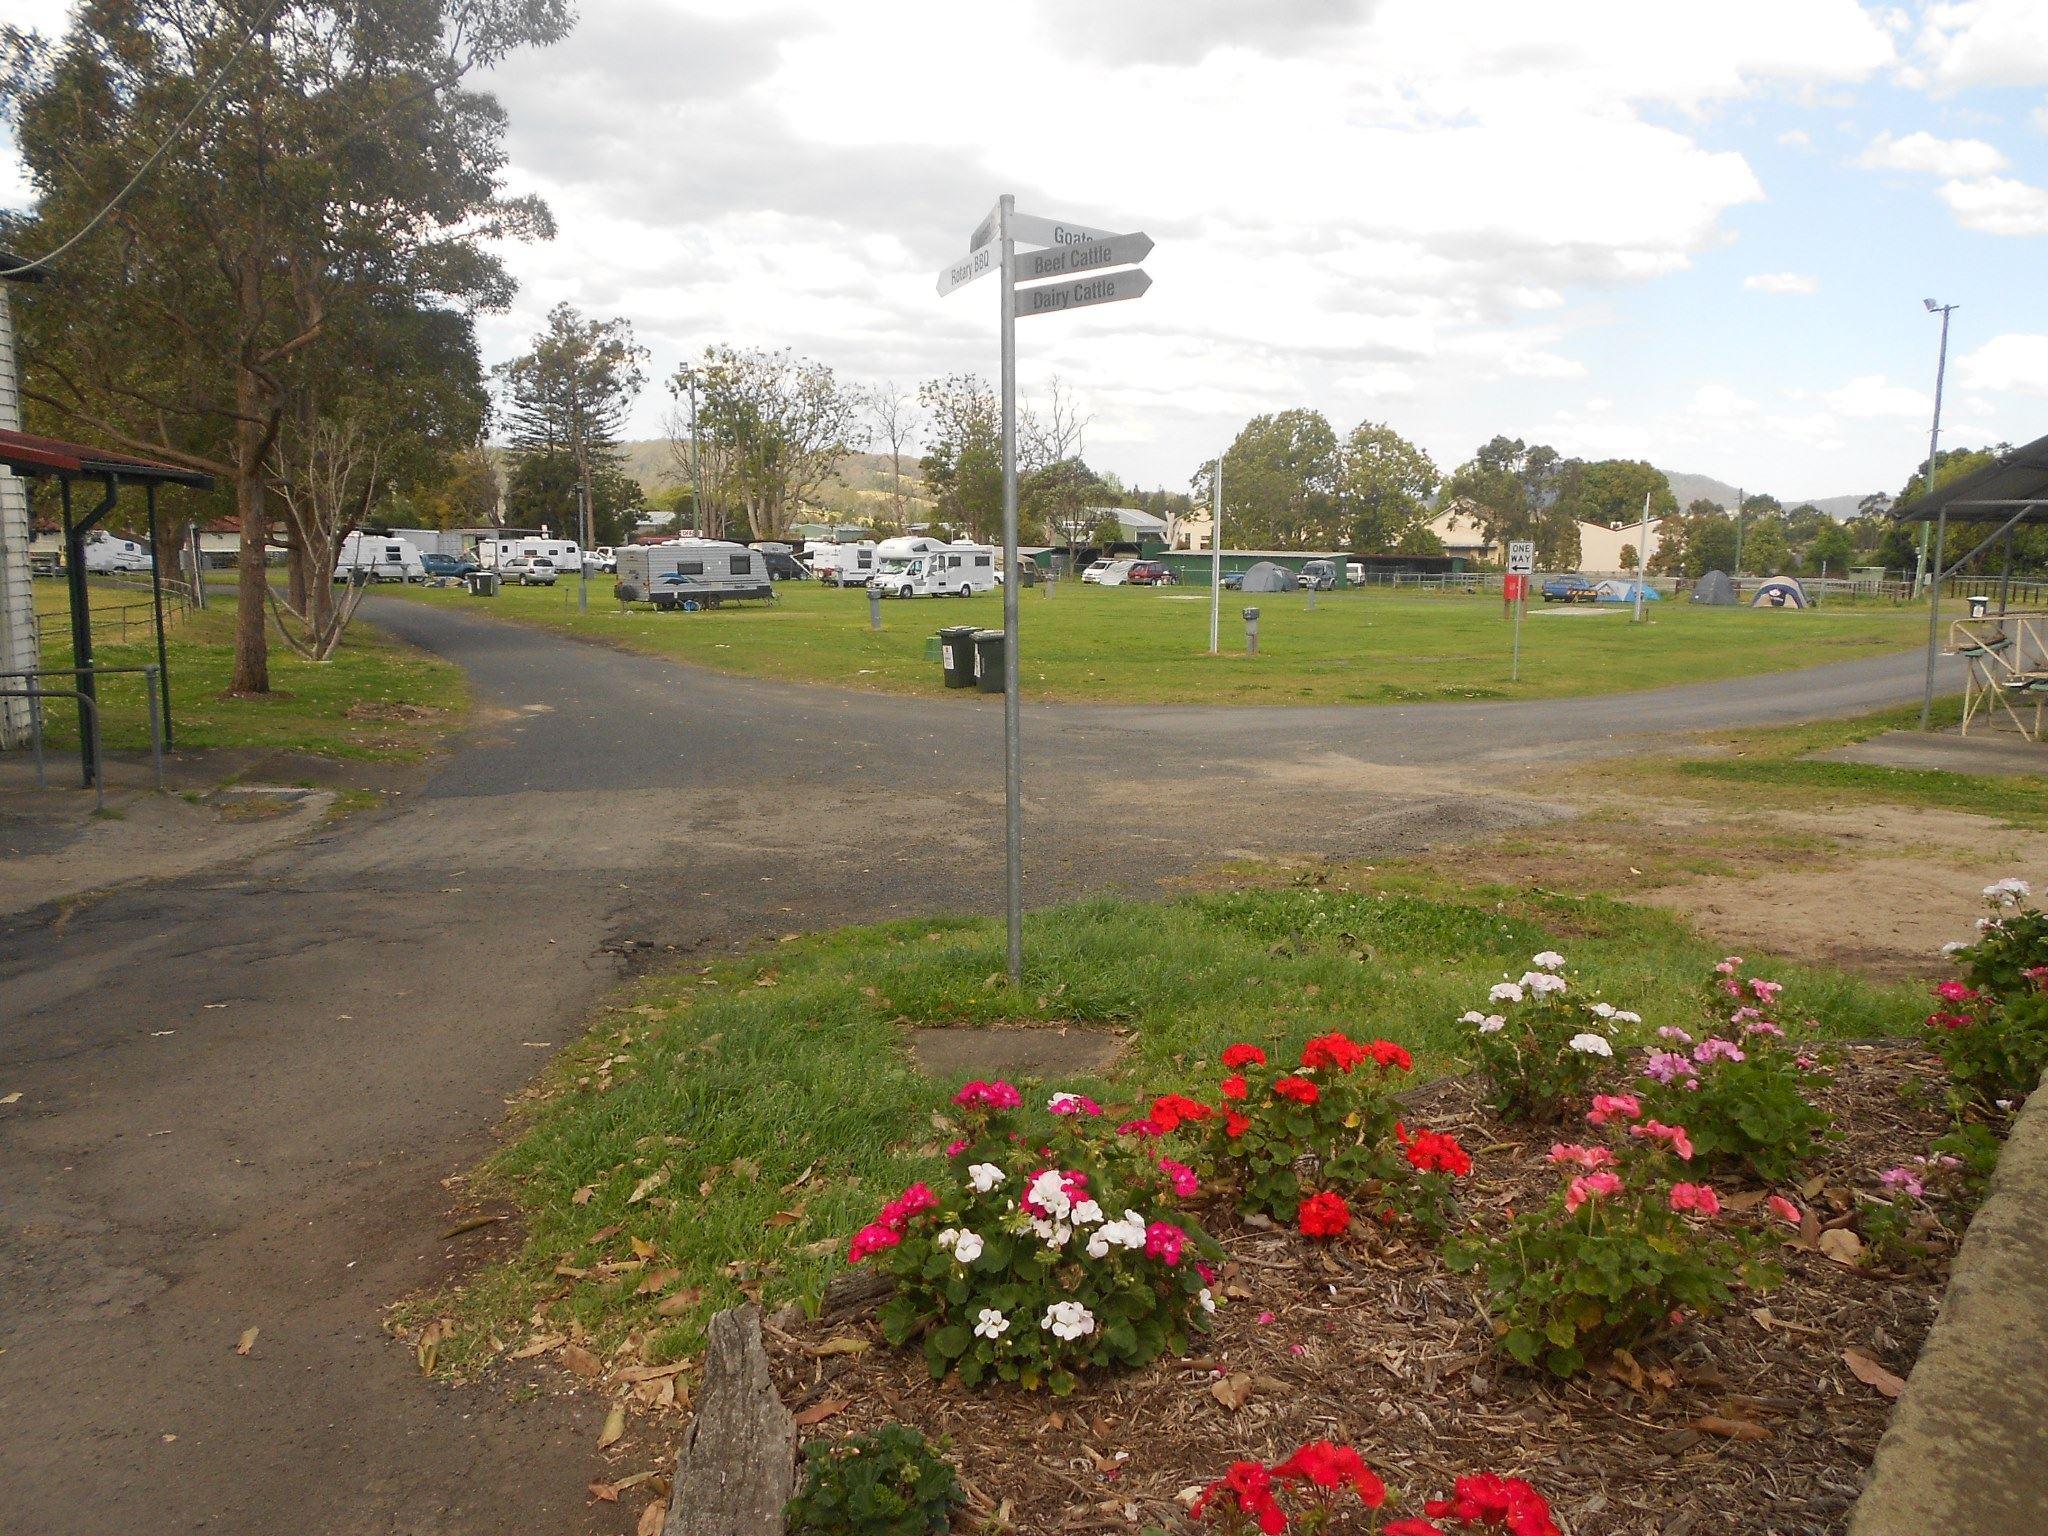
(1233, 581)
(529, 570)
(1150, 573)
(444, 567)
(603, 558)
(783, 567)
(1569, 589)
(1354, 572)
(1027, 568)
(1116, 574)
(1320, 574)
(1093, 575)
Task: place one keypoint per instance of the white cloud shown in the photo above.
(1781, 282)
(1872, 395)
(1935, 157)
(1998, 205)
(1983, 42)
(2015, 363)
(1796, 138)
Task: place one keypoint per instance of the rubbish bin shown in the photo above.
(988, 660)
(956, 654)
(1979, 606)
(483, 583)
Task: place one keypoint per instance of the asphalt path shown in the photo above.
(241, 1094)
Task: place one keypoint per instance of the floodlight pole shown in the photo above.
(583, 549)
(1740, 493)
(1642, 559)
(1934, 435)
(1013, 724)
(1215, 553)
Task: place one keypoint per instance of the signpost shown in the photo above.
(1073, 248)
(1215, 552)
(1521, 566)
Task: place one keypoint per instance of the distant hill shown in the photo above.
(1689, 488)
(863, 489)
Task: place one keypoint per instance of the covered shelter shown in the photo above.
(48, 458)
(1991, 502)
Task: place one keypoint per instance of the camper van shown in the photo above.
(841, 565)
(689, 574)
(379, 557)
(496, 554)
(107, 552)
(921, 567)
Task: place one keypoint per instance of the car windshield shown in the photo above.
(899, 566)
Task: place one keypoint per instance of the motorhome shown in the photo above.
(108, 552)
(379, 557)
(841, 565)
(495, 554)
(690, 574)
(922, 567)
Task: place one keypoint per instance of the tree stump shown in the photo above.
(737, 1468)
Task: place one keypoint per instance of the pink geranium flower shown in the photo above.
(991, 1095)
(872, 1238)
(1162, 1242)
(1717, 1049)
(1664, 1066)
(1591, 1186)
(1695, 1197)
(1672, 1136)
(1613, 1106)
(1576, 1156)
(1180, 1176)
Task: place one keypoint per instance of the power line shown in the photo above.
(120, 197)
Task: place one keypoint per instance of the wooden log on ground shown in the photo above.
(737, 1468)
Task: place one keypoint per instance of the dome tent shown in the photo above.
(1619, 590)
(1268, 577)
(1715, 590)
(1779, 592)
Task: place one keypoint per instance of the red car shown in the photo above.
(1149, 573)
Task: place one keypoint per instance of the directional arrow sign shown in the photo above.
(985, 231)
(1122, 251)
(1055, 298)
(979, 262)
(1030, 229)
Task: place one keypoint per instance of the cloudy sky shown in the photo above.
(1695, 234)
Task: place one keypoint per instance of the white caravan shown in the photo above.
(379, 557)
(495, 554)
(107, 552)
(921, 567)
(841, 565)
(690, 574)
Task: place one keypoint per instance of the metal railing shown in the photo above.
(31, 688)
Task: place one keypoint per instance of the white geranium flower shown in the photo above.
(1542, 982)
(1208, 1302)
(1492, 1024)
(991, 1324)
(1472, 1016)
(1054, 1234)
(1049, 1193)
(1085, 1214)
(1505, 992)
(984, 1177)
(947, 1238)
(1592, 1045)
(1623, 1016)
(1549, 960)
(967, 1247)
(1602, 1010)
(1099, 1244)
(1068, 1320)
(1953, 947)
(2007, 892)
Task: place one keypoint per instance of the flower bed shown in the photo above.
(1763, 1419)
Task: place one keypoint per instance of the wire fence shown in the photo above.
(122, 609)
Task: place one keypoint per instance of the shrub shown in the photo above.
(1621, 1246)
(1314, 1488)
(1991, 1027)
(1054, 1246)
(1291, 1141)
(1741, 1093)
(890, 1483)
(1542, 1047)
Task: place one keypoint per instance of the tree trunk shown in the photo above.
(252, 641)
(299, 577)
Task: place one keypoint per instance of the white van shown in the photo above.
(379, 557)
(920, 567)
(110, 552)
(496, 554)
(841, 565)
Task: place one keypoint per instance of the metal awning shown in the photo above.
(35, 458)
(2014, 489)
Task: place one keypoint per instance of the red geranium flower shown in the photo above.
(1437, 1152)
(1388, 1054)
(1233, 1088)
(1411, 1527)
(1331, 1466)
(1170, 1111)
(1242, 1055)
(1323, 1215)
(1249, 1484)
(1234, 1124)
(1332, 1050)
(1496, 1501)
(1299, 1089)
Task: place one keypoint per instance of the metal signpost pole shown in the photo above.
(1215, 553)
(583, 550)
(1521, 566)
(1642, 556)
(1934, 435)
(1013, 719)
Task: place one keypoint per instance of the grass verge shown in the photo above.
(721, 1133)
(1136, 645)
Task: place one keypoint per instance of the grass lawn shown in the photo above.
(1137, 645)
(378, 699)
(723, 1132)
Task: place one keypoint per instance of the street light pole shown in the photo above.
(583, 547)
(1215, 553)
(1934, 435)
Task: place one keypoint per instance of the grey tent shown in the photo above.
(1268, 577)
(1714, 589)
(1779, 592)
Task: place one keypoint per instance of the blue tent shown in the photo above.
(1618, 591)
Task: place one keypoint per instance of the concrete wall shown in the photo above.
(19, 647)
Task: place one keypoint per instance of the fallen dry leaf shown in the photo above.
(1730, 1429)
(578, 1361)
(642, 1249)
(604, 1493)
(845, 1344)
(614, 1426)
(817, 1413)
(582, 1196)
(12, 1098)
(634, 1373)
(1233, 1392)
(676, 1303)
(1843, 1246)
(248, 1341)
(657, 1280)
(537, 1346)
(652, 1519)
(647, 1186)
(1871, 1374)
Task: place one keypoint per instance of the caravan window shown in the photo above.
(689, 567)
(981, 562)
(742, 564)
(867, 557)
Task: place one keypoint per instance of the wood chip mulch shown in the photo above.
(1750, 1423)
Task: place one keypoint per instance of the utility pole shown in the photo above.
(1740, 496)
(1215, 553)
(1934, 435)
(583, 549)
(1642, 556)
(696, 465)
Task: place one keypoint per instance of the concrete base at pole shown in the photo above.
(20, 647)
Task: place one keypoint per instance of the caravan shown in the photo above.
(921, 567)
(379, 557)
(496, 554)
(108, 552)
(841, 565)
(690, 574)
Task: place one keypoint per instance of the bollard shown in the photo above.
(874, 607)
(1311, 597)
(1251, 631)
